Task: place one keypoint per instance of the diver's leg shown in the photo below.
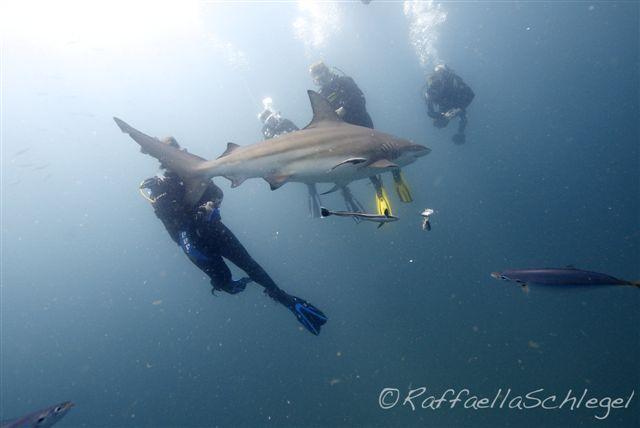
(308, 315)
(463, 122)
(351, 202)
(231, 249)
(314, 201)
(209, 262)
(460, 138)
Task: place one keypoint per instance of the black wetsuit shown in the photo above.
(342, 91)
(278, 126)
(202, 235)
(446, 91)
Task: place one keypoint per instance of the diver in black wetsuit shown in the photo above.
(343, 94)
(447, 97)
(206, 240)
(273, 124)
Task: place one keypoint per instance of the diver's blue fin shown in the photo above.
(308, 315)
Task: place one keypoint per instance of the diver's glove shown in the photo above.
(441, 121)
(207, 213)
(308, 315)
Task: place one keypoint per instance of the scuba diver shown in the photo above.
(447, 97)
(203, 237)
(349, 103)
(273, 124)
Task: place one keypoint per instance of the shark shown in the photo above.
(327, 150)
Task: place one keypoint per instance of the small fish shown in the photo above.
(382, 219)
(426, 219)
(41, 419)
(21, 152)
(560, 276)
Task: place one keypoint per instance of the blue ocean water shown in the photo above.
(100, 307)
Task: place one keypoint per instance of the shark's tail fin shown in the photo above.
(171, 157)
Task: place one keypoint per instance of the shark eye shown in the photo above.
(504, 278)
(41, 419)
(57, 409)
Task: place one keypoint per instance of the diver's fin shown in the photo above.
(333, 189)
(231, 147)
(276, 181)
(308, 315)
(323, 113)
(324, 212)
(402, 188)
(353, 161)
(382, 202)
(383, 164)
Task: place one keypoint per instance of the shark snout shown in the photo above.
(419, 151)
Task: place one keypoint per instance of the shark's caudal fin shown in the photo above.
(323, 113)
(173, 158)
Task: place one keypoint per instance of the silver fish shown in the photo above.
(376, 218)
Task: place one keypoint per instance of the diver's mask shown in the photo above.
(151, 189)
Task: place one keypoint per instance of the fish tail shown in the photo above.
(635, 283)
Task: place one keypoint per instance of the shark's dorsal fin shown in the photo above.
(230, 148)
(322, 111)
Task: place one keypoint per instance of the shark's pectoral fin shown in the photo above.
(276, 181)
(383, 164)
(235, 181)
(231, 147)
(194, 189)
(352, 161)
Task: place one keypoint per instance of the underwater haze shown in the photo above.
(99, 306)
